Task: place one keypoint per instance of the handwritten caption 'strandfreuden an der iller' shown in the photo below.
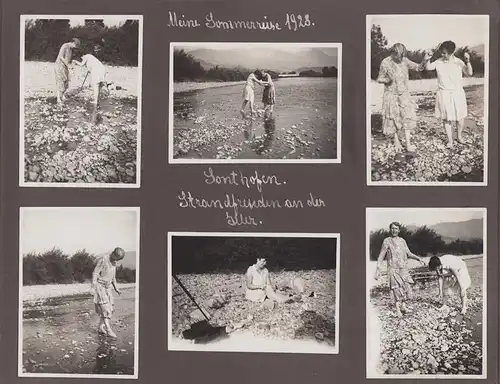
(238, 209)
(290, 22)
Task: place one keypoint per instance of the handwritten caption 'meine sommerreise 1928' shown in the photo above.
(290, 22)
(235, 206)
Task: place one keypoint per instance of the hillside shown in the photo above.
(465, 230)
(275, 59)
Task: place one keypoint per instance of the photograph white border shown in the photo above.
(20, 372)
(22, 182)
(214, 45)
(369, 180)
(372, 210)
(335, 350)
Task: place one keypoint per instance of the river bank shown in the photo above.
(187, 86)
(49, 291)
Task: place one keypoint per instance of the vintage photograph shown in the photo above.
(253, 292)
(79, 292)
(427, 99)
(426, 293)
(80, 98)
(255, 102)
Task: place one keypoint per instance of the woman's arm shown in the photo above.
(381, 256)
(410, 254)
(62, 54)
(440, 284)
(467, 66)
(384, 76)
(96, 272)
(412, 66)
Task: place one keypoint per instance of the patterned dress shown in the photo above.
(103, 277)
(398, 109)
(258, 277)
(269, 94)
(61, 70)
(396, 252)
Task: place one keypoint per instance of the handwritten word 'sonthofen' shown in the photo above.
(237, 179)
(291, 22)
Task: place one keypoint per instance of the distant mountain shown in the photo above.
(464, 230)
(277, 59)
(315, 69)
(478, 49)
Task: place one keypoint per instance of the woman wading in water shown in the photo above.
(396, 252)
(398, 109)
(103, 279)
(249, 93)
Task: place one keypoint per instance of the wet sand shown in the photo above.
(60, 336)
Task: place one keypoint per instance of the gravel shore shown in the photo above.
(48, 291)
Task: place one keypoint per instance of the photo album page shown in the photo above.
(243, 192)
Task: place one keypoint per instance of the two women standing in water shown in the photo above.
(268, 96)
(399, 110)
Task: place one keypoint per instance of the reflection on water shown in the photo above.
(105, 361)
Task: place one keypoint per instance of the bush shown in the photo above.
(424, 241)
(55, 267)
(380, 50)
(235, 254)
(115, 45)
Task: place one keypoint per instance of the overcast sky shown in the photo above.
(428, 31)
(95, 230)
(380, 219)
(109, 21)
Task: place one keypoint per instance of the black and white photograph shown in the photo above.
(255, 102)
(80, 98)
(426, 293)
(253, 292)
(427, 99)
(79, 292)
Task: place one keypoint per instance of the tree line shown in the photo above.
(117, 45)
(380, 50)
(56, 267)
(424, 241)
(236, 254)
(188, 68)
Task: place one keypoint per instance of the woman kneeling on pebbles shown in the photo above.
(103, 279)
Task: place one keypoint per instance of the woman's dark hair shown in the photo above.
(258, 74)
(448, 46)
(434, 262)
(395, 223)
(118, 254)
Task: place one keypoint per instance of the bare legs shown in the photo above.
(463, 296)
(409, 146)
(449, 131)
(243, 106)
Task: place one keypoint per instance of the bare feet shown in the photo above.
(111, 333)
(242, 113)
(444, 307)
(450, 145)
(398, 313)
(102, 329)
(464, 311)
(461, 140)
(398, 147)
(411, 148)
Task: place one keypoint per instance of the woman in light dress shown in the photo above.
(249, 92)
(398, 109)
(453, 275)
(451, 104)
(103, 279)
(97, 72)
(396, 252)
(258, 285)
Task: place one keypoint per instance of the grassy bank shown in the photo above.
(48, 291)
